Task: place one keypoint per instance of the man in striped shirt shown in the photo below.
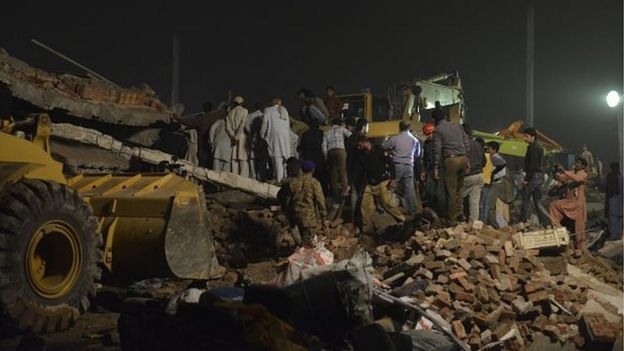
(405, 147)
(333, 148)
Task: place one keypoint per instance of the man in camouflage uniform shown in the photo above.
(307, 203)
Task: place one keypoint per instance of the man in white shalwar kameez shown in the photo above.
(235, 123)
(276, 131)
(221, 146)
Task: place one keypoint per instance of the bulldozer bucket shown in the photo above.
(153, 225)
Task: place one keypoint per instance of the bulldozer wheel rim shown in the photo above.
(53, 259)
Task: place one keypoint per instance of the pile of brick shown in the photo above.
(245, 235)
(486, 288)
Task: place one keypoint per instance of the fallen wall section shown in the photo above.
(93, 137)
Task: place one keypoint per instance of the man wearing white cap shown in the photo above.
(235, 124)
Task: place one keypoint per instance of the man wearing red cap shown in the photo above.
(433, 190)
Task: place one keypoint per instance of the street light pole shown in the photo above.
(613, 101)
(530, 66)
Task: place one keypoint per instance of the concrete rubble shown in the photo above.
(102, 141)
(81, 97)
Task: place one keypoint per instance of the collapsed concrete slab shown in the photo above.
(93, 137)
(82, 97)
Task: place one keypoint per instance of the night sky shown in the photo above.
(260, 50)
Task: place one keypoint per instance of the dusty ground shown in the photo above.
(93, 331)
(97, 330)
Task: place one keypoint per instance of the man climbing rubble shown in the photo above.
(306, 204)
(572, 205)
(376, 170)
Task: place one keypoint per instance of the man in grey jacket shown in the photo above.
(450, 150)
(473, 180)
(405, 148)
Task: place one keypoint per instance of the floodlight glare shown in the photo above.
(613, 98)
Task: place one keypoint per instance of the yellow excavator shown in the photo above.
(57, 234)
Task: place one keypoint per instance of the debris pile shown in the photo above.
(81, 97)
(245, 235)
(485, 287)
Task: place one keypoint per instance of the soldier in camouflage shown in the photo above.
(307, 203)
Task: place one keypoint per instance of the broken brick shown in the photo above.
(501, 330)
(463, 296)
(533, 286)
(538, 296)
(464, 264)
(491, 259)
(466, 284)
(458, 329)
(482, 294)
(457, 275)
(509, 251)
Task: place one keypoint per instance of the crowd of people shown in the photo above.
(449, 171)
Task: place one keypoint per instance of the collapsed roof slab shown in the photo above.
(82, 97)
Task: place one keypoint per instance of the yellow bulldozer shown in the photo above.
(57, 234)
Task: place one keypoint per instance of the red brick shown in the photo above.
(482, 293)
(481, 320)
(491, 259)
(531, 253)
(535, 285)
(443, 299)
(454, 288)
(509, 250)
(578, 341)
(501, 330)
(502, 257)
(458, 275)
(507, 315)
(464, 264)
(496, 271)
(431, 265)
(466, 297)
(538, 296)
(486, 336)
(458, 329)
(468, 286)
(598, 330)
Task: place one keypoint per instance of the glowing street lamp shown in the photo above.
(613, 98)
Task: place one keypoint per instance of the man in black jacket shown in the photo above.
(310, 149)
(377, 171)
(534, 179)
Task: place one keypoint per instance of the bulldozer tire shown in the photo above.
(49, 256)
